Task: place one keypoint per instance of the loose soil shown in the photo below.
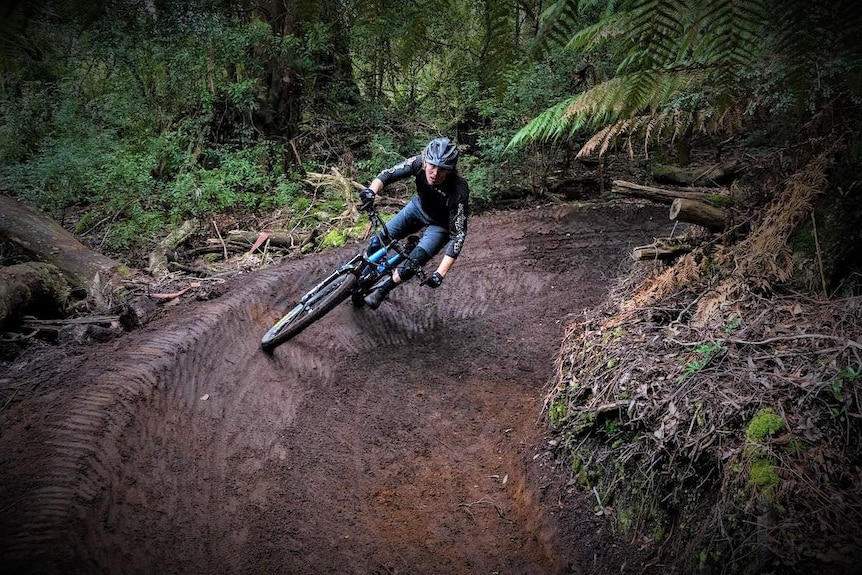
(403, 440)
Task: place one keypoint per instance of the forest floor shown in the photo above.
(409, 439)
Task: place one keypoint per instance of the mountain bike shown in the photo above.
(353, 279)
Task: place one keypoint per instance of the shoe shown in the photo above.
(357, 299)
(379, 292)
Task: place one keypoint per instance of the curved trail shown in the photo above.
(401, 440)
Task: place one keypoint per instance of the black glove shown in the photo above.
(366, 199)
(434, 280)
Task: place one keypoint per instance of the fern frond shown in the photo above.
(678, 70)
(595, 35)
(660, 127)
(498, 46)
(548, 125)
(556, 25)
(730, 32)
(601, 140)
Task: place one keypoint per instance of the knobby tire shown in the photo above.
(303, 315)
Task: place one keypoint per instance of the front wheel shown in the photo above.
(318, 304)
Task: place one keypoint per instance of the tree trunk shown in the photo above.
(289, 87)
(45, 240)
(275, 239)
(700, 213)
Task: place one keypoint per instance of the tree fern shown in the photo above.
(666, 50)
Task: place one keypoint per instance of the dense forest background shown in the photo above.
(123, 119)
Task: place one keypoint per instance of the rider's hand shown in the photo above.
(434, 280)
(366, 198)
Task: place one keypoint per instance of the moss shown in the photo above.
(762, 474)
(625, 519)
(719, 200)
(802, 240)
(614, 335)
(764, 424)
(124, 271)
(337, 237)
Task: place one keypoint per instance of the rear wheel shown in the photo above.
(302, 315)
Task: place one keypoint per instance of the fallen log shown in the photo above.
(275, 239)
(692, 175)
(658, 251)
(158, 260)
(45, 240)
(699, 213)
(32, 285)
(715, 196)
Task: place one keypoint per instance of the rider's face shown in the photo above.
(435, 175)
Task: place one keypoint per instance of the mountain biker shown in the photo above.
(440, 205)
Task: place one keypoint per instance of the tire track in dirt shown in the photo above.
(393, 441)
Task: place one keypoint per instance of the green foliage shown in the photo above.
(337, 237)
(483, 178)
(690, 66)
(382, 155)
(706, 353)
(106, 106)
(558, 411)
(144, 128)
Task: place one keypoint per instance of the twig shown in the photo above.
(440, 441)
(72, 321)
(599, 500)
(174, 295)
(497, 508)
(221, 239)
(819, 255)
(295, 152)
(847, 342)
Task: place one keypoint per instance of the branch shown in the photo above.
(845, 341)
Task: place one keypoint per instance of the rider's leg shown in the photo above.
(409, 220)
(432, 241)
(379, 292)
(401, 274)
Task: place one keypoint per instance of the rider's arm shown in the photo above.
(376, 185)
(445, 264)
(457, 225)
(409, 167)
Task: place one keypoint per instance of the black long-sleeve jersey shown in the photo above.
(446, 204)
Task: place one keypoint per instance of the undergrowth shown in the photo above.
(714, 412)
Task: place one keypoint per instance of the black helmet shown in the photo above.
(442, 153)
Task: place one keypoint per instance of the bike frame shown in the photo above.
(386, 258)
(366, 269)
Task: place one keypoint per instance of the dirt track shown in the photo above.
(402, 440)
